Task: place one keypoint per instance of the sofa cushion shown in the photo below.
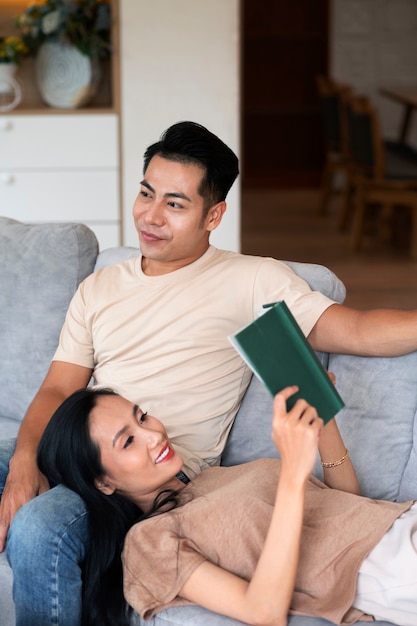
(41, 267)
(378, 423)
(192, 615)
(408, 484)
(115, 255)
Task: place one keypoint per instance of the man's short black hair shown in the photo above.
(192, 144)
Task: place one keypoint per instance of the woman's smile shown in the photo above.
(166, 454)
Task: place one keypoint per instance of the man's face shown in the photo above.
(168, 215)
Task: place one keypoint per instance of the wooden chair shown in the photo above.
(384, 172)
(338, 159)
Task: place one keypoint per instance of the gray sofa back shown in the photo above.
(41, 267)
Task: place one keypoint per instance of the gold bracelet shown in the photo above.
(336, 463)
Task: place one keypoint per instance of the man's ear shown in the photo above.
(103, 486)
(215, 214)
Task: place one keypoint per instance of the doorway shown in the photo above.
(285, 45)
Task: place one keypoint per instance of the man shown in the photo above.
(155, 330)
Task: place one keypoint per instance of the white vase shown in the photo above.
(67, 79)
(10, 89)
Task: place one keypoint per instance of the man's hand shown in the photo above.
(21, 486)
(25, 481)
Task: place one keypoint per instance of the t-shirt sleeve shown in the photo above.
(157, 562)
(276, 281)
(75, 342)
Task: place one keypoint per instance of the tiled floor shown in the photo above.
(286, 225)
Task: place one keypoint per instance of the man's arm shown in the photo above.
(24, 481)
(379, 332)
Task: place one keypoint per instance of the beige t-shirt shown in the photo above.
(162, 341)
(223, 517)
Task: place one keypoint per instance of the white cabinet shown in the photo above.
(62, 168)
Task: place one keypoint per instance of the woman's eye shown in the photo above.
(143, 417)
(128, 441)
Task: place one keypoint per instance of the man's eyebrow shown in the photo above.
(144, 183)
(120, 432)
(169, 194)
(175, 194)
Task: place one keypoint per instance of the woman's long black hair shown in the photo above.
(68, 456)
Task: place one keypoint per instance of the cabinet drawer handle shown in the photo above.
(6, 124)
(6, 178)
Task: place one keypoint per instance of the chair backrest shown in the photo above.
(330, 113)
(332, 96)
(364, 137)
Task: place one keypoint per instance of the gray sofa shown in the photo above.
(40, 268)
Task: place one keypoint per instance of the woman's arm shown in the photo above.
(265, 600)
(338, 471)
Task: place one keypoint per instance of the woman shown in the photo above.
(252, 542)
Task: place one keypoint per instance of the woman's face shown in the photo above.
(136, 453)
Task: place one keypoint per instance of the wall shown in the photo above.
(374, 44)
(179, 60)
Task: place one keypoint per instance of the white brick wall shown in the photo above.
(374, 44)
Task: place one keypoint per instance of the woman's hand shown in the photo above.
(295, 434)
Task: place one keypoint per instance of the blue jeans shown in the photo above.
(46, 546)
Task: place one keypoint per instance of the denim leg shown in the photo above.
(46, 546)
(7, 447)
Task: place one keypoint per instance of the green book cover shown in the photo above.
(277, 351)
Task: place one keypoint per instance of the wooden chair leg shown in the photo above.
(358, 220)
(385, 222)
(325, 190)
(413, 243)
(346, 204)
